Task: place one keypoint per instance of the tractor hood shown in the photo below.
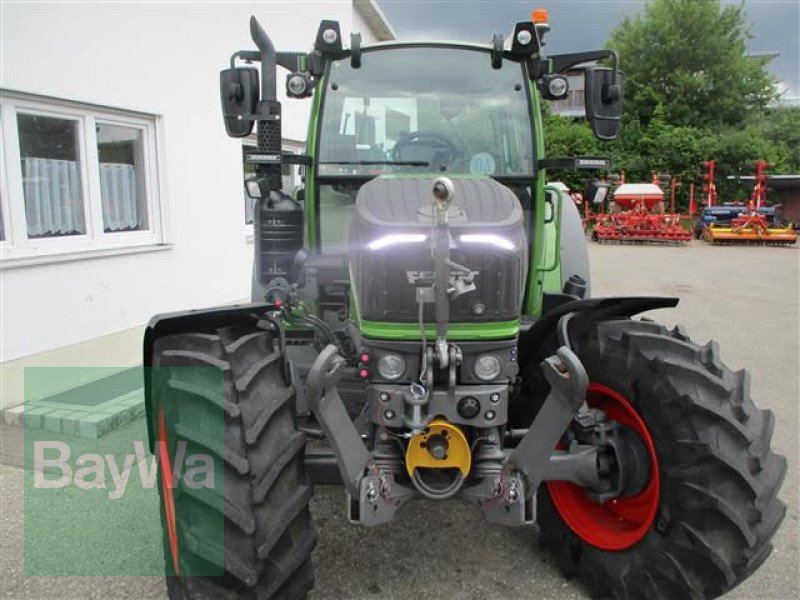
(391, 257)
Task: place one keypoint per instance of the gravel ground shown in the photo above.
(746, 298)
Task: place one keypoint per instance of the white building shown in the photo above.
(573, 105)
(121, 193)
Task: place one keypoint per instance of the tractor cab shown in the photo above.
(408, 110)
(413, 110)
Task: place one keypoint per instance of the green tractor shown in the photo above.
(422, 326)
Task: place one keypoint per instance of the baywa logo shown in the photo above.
(96, 471)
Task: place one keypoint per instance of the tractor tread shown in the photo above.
(232, 511)
(215, 446)
(268, 536)
(202, 392)
(253, 432)
(278, 520)
(192, 356)
(709, 437)
(294, 446)
(246, 379)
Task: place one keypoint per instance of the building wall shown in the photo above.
(789, 199)
(161, 59)
(360, 26)
(574, 104)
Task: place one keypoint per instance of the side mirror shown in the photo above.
(603, 97)
(238, 92)
(596, 191)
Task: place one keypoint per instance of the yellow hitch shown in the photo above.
(441, 446)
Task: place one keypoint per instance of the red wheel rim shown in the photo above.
(622, 522)
(166, 487)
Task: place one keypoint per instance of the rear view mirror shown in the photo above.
(604, 98)
(238, 92)
(596, 191)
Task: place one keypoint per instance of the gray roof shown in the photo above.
(377, 21)
(776, 182)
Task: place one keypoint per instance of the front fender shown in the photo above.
(206, 319)
(599, 309)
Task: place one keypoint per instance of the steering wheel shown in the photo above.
(428, 146)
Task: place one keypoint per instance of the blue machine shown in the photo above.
(725, 213)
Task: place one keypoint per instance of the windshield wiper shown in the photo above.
(404, 163)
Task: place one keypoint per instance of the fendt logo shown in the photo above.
(427, 277)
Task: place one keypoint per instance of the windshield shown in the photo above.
(426, 109)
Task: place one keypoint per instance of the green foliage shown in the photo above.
(688, 57)
(781, 128)
(691, 95)
(569, 137)
(773, 136)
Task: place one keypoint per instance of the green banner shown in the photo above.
(100, 497)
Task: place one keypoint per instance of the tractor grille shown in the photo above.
(388, 285)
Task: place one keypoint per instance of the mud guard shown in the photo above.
(188, 321)
(573, 248)
(599, 309)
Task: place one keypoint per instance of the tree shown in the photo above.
(689, 57)
(569, 137)
(781, 128)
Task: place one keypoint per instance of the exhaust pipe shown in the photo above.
(269, 109)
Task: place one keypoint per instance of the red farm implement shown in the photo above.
(740, 223)
(636, 216)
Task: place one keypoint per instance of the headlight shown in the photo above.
(391, 366)
(524, 37)
(487, 367)
(559, 87)
(596, 191)
(600, 196)
(488, 239)
(394, 239)
(329, 36)
(256, 187)
(298, 85)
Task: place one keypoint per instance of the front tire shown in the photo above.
(222, 392)
(716, 509)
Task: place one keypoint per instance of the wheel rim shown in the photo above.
(622, 522)
(165, 468)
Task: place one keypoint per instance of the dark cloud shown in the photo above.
(586, 24)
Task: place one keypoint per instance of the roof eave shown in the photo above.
(373, 15)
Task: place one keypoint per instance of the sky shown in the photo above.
(586, 25)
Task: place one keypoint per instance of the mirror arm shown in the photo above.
(246, 55)
(288, 60)
(561, 62)
(571, 163)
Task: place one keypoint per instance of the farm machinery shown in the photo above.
(422, 313)
(743, 223)
(636, 215)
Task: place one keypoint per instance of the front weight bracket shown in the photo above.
(568, 382)
(373, 495)
(324, 401)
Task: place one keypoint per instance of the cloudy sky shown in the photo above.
(586, 24)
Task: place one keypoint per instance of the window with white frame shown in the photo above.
(75, 178)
